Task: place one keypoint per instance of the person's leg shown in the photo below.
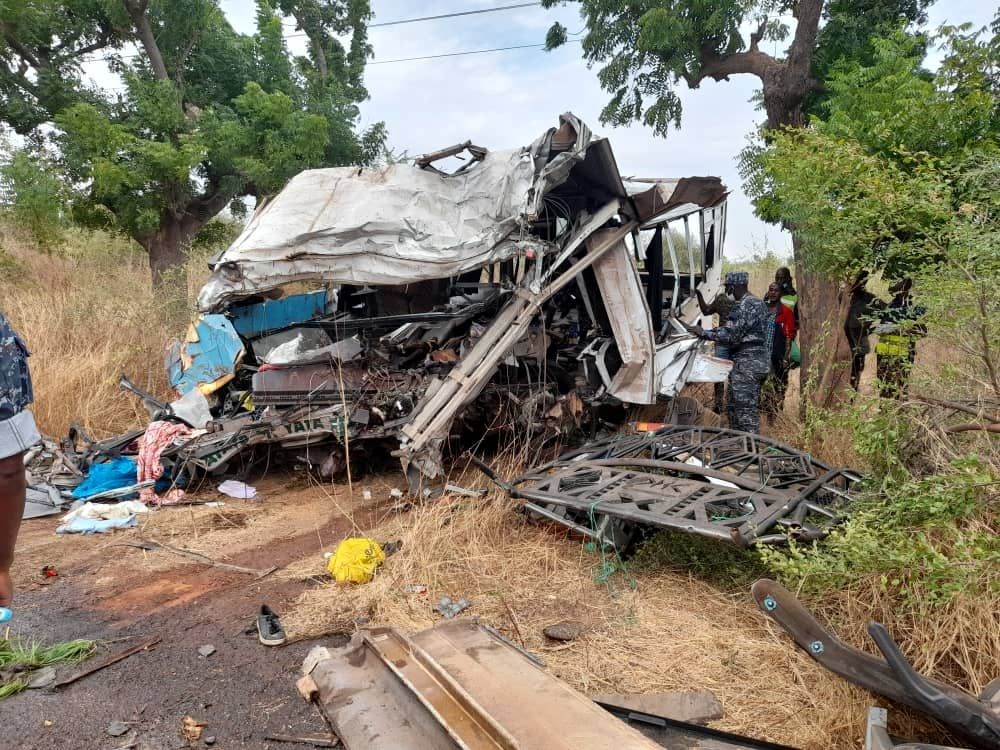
(12, 491)
(857, 365)
(744, 396)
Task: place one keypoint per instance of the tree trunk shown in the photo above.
(166, 250)
(826, 354)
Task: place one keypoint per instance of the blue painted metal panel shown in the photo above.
(251, 321)
(210, 352)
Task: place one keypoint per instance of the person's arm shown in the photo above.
(706, 309)
(786, 318)
(12, 490)
(733, 331)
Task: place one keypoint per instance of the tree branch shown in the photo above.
(23, 52)
(758, 35)
(720, 67)
(136, 10)
(807, 14)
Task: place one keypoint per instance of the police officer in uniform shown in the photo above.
(744, 332)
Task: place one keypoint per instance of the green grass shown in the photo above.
(18, 659)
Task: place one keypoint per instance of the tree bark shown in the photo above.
(166, 248)
(826, 354)
(136, 10)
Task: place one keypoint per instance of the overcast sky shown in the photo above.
(506, 99)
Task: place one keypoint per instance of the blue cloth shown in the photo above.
(118, 472)
(96, 526)
(15, 382)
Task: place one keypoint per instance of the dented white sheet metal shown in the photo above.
(392, 225)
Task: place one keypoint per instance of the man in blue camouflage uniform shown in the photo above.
(744, 332)
(17, 433)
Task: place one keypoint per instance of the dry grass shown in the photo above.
(646, 630)
(88, 315)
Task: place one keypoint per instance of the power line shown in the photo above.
(428, 57)
(458, 54)
(438, 17)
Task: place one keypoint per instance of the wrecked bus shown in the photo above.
(411, 305)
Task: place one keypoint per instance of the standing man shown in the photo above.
(781, 332)
(790, 299)
(17, 433)
(898, 330)
(744, 333)
(858, 325)
(722, 305)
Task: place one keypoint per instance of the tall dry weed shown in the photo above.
(89, 314)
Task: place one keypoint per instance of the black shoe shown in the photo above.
(269, 629)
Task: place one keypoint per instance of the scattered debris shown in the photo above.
(41, 678)
(453, 685)
(151, 545)
(314, 741)
(43, 500)
(449, 609)
(191, 729)
(355, 560)
(975, 719)
(413, 588)
(206, 651)
(269, 630)
(49, 571)
(366, 495)
(96, 526)
(117, 728)
(877, 735)
(725, 484)
(671, 733)
(696, 706)
(566, 630)
(238, 490)
(209, 740)
(106, 662)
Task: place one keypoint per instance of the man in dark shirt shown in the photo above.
(898, 329)
(17, 433)
(858, 325)
(744, 333)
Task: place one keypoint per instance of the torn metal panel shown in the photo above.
(667, 495)
(744, 454)
(253, 320)
(434, 414)
(391, 225)
(456, 685)
(290, 429)
(208, 356)
(723, 484)
(628, 315)
(975, 719)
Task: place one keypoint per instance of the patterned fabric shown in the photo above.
(157, 438)
(745, 334)
(746, 325)
(15, 381)
(750, 368)
(769, 330)
(737, 278)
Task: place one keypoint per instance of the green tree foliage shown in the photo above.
(207, 115)
(33, 195)
(647, 48)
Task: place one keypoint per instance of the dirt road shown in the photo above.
(124, 596)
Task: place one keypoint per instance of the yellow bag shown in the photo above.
(355, 560)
